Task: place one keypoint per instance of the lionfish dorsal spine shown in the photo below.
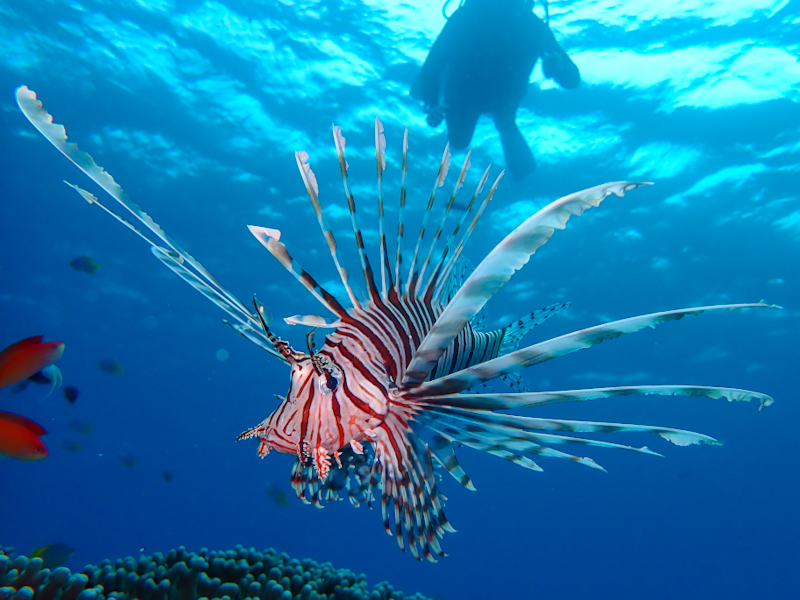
(401, 217)
(443, 270)
(444, 167)
(380, 160)
(310, 181)
(369, 278)
(496, 269)
(269, 238)
(445, 214)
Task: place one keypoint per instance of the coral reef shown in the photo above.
(238, 574)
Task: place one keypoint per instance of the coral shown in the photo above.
(237, 574)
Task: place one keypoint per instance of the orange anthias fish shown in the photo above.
(19, 437)
(27, 357)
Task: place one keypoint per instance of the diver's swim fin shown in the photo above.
(519, 157)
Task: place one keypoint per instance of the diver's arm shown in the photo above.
(427, 84)
(556, 64)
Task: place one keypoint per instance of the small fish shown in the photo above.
(19, 438)
(80, 427)
(27, 357)
(53, 555)
(71, 394)
(110, 366)
(71, 446)
(128, 460)
(84, 264)
(277, 495)
(166, 476)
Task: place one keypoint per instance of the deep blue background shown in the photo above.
(196, 109)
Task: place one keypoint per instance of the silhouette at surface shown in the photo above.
(481, 63)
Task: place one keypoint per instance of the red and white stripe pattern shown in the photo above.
(373, 411)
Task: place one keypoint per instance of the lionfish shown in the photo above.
(385, 399)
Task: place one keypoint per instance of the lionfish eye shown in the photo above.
(331, 381)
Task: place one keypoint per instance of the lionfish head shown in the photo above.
(316, 418)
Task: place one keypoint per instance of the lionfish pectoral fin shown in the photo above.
(442, 449)
(497, 402)
(497, 268)
(472, 420)
(56, 134)
(524, 428)
(515, 442)
(559, 346)
(411, 504)
(246, 329)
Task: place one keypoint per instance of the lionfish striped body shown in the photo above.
(386, 398)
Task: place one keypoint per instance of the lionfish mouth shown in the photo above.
(386, 398)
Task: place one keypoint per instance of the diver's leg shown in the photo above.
(461, 121)
(519, 157)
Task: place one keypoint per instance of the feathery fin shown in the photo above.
(497, 268)
(56, 134)
(559, 346)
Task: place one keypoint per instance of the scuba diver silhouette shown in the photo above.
(481, 63)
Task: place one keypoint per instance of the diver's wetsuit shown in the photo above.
(481, 64)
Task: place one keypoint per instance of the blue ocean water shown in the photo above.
(196, 108)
